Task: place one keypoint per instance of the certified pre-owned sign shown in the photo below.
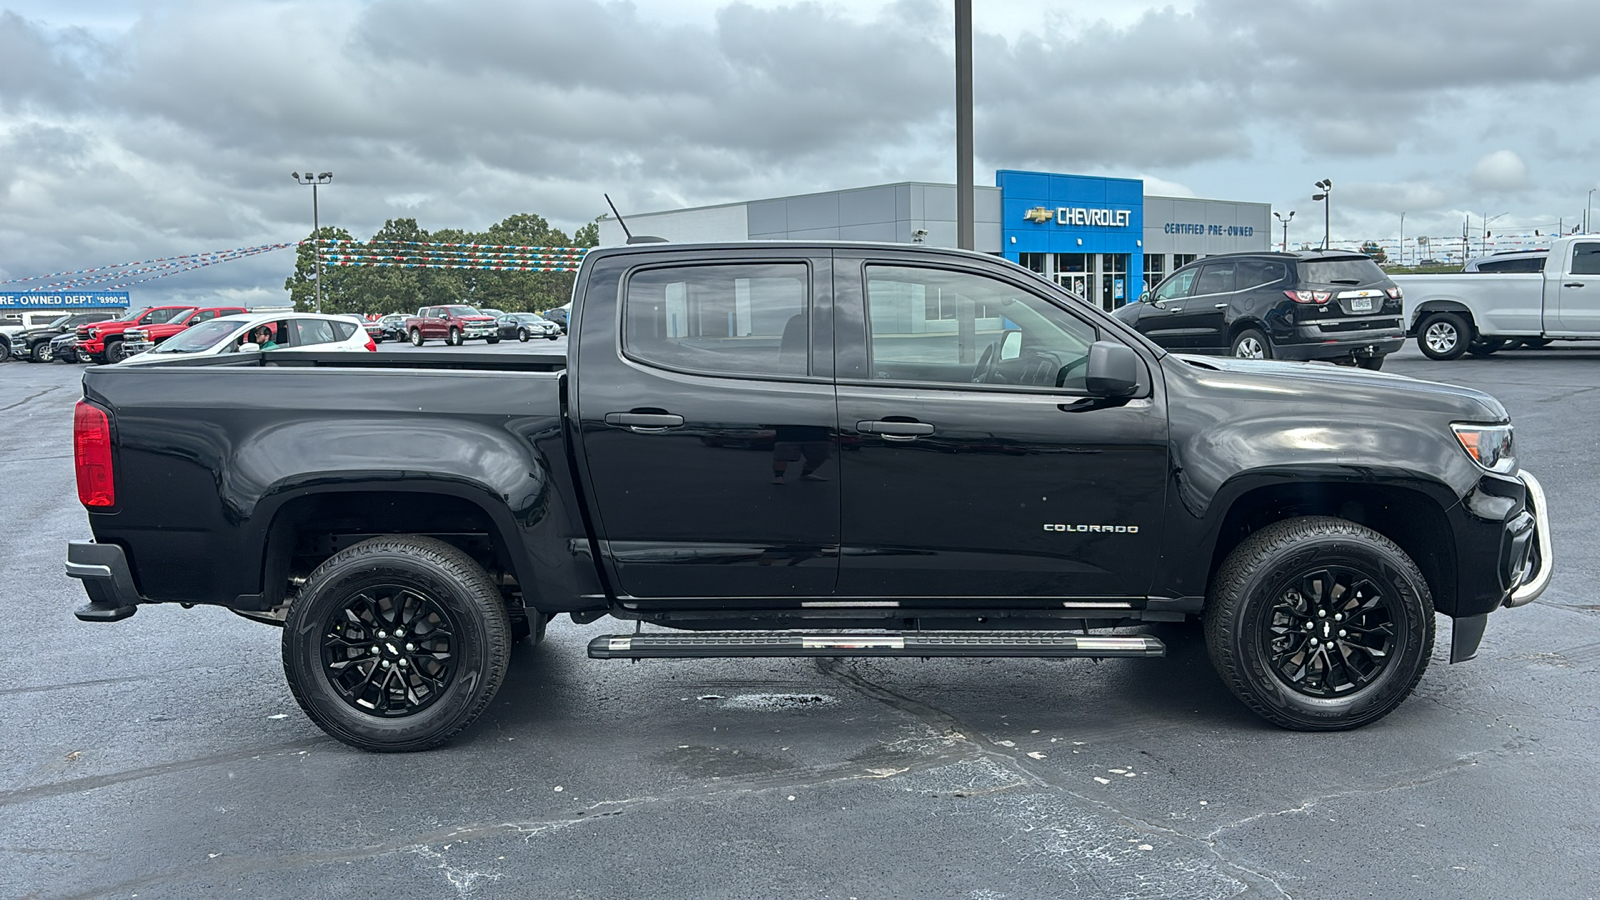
(1080, 215)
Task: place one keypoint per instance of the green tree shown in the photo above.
(337, 281)
(588, 235)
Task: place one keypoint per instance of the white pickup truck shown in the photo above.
(1480, 313)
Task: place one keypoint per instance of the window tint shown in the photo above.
(929, 325)
(343, 330)
(313, 331)
(1529, 264)
(1340, 271)
(746, 319)
(1251, 273)
(1176, 286)
(1586, 259)
(163, 316)
(1215, 278)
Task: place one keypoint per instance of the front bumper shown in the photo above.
(132, 347)
(1528, 554)
(103, 569)
(480, 331)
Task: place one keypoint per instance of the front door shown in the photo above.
(1161, 319)
(985, 470)
(709, 427)
(1578, 310)
(1205, 315)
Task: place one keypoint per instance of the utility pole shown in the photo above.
(1326, 186)
(1402, 239)
(316, 247)
(966, 227)
(1285, 222)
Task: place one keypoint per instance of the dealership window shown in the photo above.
(1113, 280)
(1154, 264)
(745, 319)
(1031, 261)
(1183, 259)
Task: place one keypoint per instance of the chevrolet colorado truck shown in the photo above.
(807, 449)
(1480, 313)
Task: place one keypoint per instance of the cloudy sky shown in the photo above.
(131, 131)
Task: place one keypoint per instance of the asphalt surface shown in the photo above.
(164, 757)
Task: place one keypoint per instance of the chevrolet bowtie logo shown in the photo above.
(1039, 214)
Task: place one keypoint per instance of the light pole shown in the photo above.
(1326, 185)
(1485, 241)
(316, 249)
(1285, 222)
(1402, 239)
(966, 227)
(1588, 210)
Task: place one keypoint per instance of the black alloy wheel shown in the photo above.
(397, 643)
(1319, 624)
(416, 337)
(115, 352)
(1443, 336)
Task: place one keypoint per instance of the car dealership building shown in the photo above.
(1100, 237)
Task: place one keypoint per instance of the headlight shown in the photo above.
(1490, 446)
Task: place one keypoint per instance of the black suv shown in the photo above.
(1329, 305)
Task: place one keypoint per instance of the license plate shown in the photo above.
(1361, 304)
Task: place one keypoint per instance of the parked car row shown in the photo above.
(37, 344)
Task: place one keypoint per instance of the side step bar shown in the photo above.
(713, 645)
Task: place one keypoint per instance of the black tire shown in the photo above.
(453, 339)
(115, 352)
(492, 340)
(416, 337)
(554, 336)
(85, 357)
(1271, 596)
(1534, 343)
(1371, 363)
(455, 603)
(1250, 344)
(1486, 346)
(5, 350)
(40, 353)
(1443, 336)
(522, 335)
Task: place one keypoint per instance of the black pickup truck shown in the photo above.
(807, 449)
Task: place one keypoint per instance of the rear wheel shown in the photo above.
(416, 337)
(1443, 335)
(1319, 624)
(396, 644)
(1251, 344)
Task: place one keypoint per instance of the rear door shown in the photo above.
(975, 466)
(1578, 291)
(709, 429)
(1205, 314)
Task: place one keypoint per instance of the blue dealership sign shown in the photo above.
(1043, 212)
(25, 300)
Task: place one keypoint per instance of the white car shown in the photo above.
(239, 333)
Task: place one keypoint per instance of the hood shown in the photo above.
(476, 318)
(1321, 386)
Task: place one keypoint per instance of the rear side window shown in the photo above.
(743, 319)
(1586, 259)
(1530, 264)
(1255, 273)
(1215, 278)
(1340, 271)
(314, 331)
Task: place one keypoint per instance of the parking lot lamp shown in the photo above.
(1588, 209)
(316, 250)
(1280, 218)
(1402, 239)
(1326, 186)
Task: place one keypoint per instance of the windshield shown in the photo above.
(59, 323)
(201, 337)
(530, 318)
(1340, 271)
(462, 311)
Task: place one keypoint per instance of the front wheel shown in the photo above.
(114, 352)
(1319, 624)
(522, 335)
(1443, 336)
(454, 337)
(416, 337)
(397, 643)
(1251, 344)
(41, 352)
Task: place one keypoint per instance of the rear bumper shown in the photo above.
(103, 569)
(1313, 342)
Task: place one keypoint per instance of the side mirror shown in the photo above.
(1147, 297)
(1011, 345)
(1113, 370)
(249, 347)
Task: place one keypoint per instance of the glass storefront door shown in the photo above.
(1074, 271)
(1113, 281)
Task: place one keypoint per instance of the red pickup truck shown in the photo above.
(102, 341)
(455, 324)
(142, 338)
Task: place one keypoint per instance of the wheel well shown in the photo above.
(1409, 518)
(1245, 325)
(1437, 306)
(309, 529)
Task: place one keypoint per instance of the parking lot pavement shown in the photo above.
(164, 757)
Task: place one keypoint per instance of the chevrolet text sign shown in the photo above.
(1082, 216)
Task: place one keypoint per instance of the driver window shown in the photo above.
(1176, 286)
(957, 328)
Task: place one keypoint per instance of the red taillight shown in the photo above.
(1395, 293)
(370, 345)
(1310, 296)
(91, 451)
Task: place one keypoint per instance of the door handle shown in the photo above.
(1222, 306)
(1573, 284)
(644, 420)
(894, 429)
